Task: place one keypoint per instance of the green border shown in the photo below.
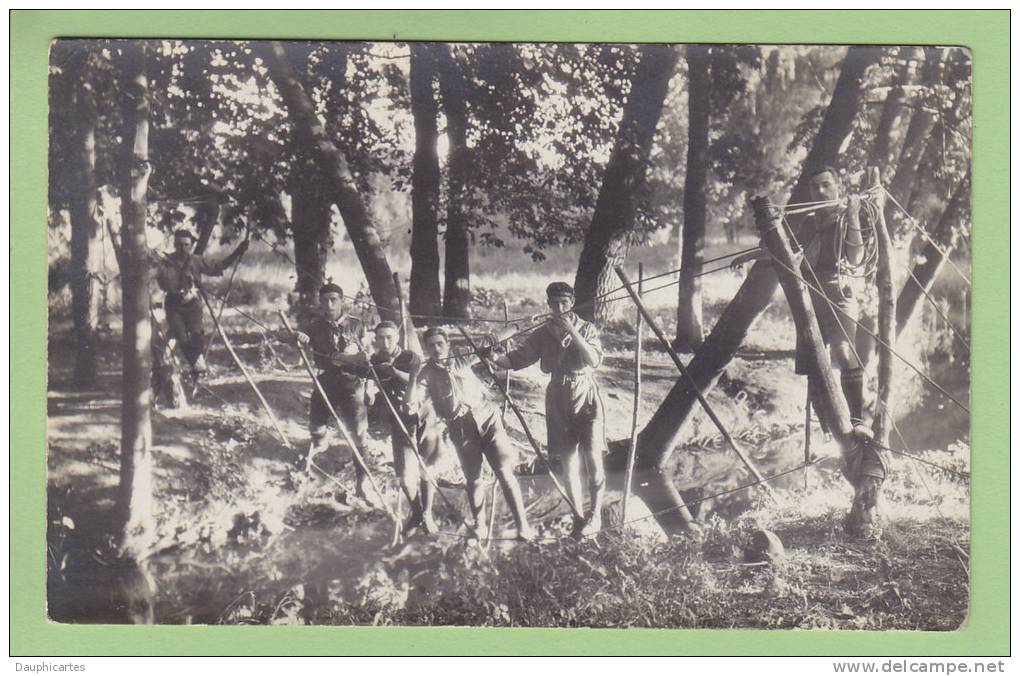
(984, 32)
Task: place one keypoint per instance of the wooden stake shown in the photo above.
(244, 371)
(524, 425)
(807, 433)
(886, 322)
(632, 454)
(653, 325)
(340, 424)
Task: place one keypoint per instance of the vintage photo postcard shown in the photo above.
(601, 333)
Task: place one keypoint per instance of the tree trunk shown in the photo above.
(946, 234)
(689, 325)
(662, 433)
(310, 219)
(135, 495)
(457, 274)
(85, 233)
(917, 140)
(425, 298)
(894, 110)
(624, 182)
(206, 215)
(331, 162)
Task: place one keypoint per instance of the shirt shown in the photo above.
(825, 243)
(405, 361)
(555, 350)
(342, 337)
(453, 387)
(179, 274)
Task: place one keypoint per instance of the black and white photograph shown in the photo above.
(509, 334)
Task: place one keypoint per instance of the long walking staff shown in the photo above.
(340, 424)
(244, 371)
(524, 425)
(494, 494)
(230, 285)
(629, 476)
(687, 374)
(807, 433)
(414, 442)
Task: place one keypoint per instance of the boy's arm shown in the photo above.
(586, 340)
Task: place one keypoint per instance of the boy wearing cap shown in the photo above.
(179, 276)
(475, 427)
(568, 348)
(333, 336)
(396, 368)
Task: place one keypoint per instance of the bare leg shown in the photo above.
(597, 489)
(572, 481)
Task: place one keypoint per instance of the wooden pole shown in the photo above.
(407, 332)
(868, 472)
(653, 325)
(524, 425)
(807, 433)
(494, 495)
(886, 322)
(629, 476)
(244, 371)
(340, 424)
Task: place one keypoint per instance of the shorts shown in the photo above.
(474, 439)
(348, 403)
(574, 416)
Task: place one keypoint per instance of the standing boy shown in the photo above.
(395, 368)
(475, 427)
(333, 337)
(568, 348)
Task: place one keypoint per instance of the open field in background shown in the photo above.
(243, 538)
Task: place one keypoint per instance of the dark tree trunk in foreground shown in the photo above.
(624, 182)
(662, 433)
(457, 277)
(425, 298)
(134, 501)
(310, 217)
(85, 231)
(689, 324)
(333, 165)
(946, 234)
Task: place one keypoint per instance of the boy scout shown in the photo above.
(568, 348)
(834, 241)
(475, 427)
(179, 276)
(395, 367)
(333, 337)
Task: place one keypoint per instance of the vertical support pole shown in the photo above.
(632, 453)
(869, 466)
(807, 433)
(855, 443)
